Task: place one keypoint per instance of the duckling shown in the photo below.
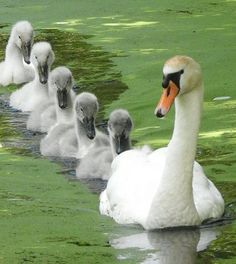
(34, 93)
(58, 108)
(97, 163)
(16, 67)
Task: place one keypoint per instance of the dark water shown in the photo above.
(92, 67)
(95, 71)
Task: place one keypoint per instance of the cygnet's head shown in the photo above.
(119, 127)
(61, 81)
(86, 108)
(181, 74)
(42, 57)
(22, 35)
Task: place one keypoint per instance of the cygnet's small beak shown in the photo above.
(26, 50)
(122, 144)
(43, 73)
(90, 127)
(167, 99)
(62, 98)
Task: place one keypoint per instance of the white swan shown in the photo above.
(97, 163)
(28, 97)
(16, 67)
(58, 108)
(158, 190)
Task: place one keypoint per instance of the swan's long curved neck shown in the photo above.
(182, 147)
(174, 192)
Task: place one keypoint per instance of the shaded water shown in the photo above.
(95, 72)
(92, 68)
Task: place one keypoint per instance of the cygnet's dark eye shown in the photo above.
(19, 37)
(36, 57)
(81, 109)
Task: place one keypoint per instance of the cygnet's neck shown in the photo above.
(40, 88)
(174, 196)
(126, 145)
(13, 53)
(65, 115)
(84, 143)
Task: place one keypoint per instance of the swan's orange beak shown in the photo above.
(167, 99)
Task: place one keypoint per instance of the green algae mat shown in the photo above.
(116, 49)
(45, 218)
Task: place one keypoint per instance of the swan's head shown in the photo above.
(119, 127)
(22, 35)
(42, 57)
(61, 82)
(86, 108)
(181, 74)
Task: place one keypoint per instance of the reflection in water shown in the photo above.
(168, 246)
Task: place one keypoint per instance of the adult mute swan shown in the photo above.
(162, 189)
(97, 163)
(15, 68)
(32, 94)
(58, 108)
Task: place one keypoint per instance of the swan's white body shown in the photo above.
(13, 69)
(166, 188)
(34, 93)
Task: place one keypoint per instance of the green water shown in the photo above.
(116, 49)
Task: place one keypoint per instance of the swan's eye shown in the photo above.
(36, 57)
(81, 109)
(19, 37)
(47, 57)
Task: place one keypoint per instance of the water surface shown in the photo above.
(95, 71)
